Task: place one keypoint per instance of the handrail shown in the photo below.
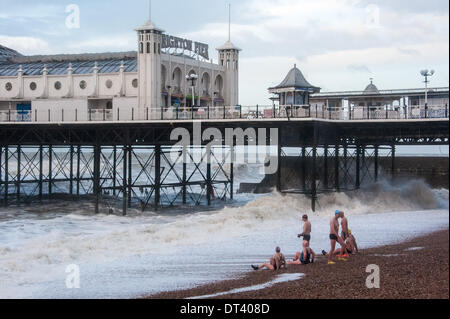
(173, 113)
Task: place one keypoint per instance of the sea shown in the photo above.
(44, 245)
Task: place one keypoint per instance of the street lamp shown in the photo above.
(192, 78)
(427, 74)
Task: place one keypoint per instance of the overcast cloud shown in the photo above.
(338, 44)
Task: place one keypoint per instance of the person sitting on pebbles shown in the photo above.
(277, 262)
(306, 257)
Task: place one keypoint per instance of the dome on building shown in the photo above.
(296, 79)
(150, 26)
(371, 88)
(228, 46)
(7, 53)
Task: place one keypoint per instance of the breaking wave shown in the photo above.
(108, 237)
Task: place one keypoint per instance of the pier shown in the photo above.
(130, 164)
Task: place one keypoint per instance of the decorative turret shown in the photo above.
(229, 58)
(149, 66)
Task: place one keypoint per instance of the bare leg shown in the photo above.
(331, 253)
(313, 254)
(343, 246)
(268, 266)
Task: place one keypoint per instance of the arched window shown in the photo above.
(148, 47)
(141, 47)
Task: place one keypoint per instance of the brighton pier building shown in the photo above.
(166, 75)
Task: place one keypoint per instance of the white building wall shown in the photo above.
(60, 110)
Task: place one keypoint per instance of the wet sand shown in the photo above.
(407, 272)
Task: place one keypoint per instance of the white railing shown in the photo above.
(221, 113)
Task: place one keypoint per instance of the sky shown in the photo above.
(337, 44)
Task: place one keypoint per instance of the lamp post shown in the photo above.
(192, 78)
(426, 74)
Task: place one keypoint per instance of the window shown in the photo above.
(148, 47)
(109, 105)
(83, 85)
(134, 83)
(109, 84)
(58, 85)
(33, 86)
(141, 47)
(8, 86)
(154, 47)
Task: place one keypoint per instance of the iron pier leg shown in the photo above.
(232, 173)
(41, 170)
(6, 175)
(50, 168)
(358, 167)
(208, 176)
(71, 170)
(325, 169)
(130, 174)
(336, 169)
(313, 180)
(124, 182)
(78, 169)
(304, 169)
(279, 163)
(97, 191)
(393, 162)
(114, 169)
(376, 163)
(363, 162)
(157, 175)
(184, 190)
(19, 171)
(345, 166)
(1, 166)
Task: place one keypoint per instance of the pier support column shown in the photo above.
(19, 172)
(232, 172)
(345, 166)
(1, 167)
(393, 162)
(78, 169)
(50, 169)
(71, 170)
(5, 199)
(313, 180)
(303, 169)
(377, 150)
(97, 190)
(336, 169)
(279, 163)
(130, 174)
(184, 182)
(358, 167)
(124, 181)
(114, 172)
(41, 171)
(208, 176)
(157, 176)
(325, 168)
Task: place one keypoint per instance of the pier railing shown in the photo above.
(239, 112)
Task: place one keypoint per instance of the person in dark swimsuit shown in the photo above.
(277, 262)
(300, 257)
(307, 227)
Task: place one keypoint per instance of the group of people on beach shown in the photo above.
(307, 256)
